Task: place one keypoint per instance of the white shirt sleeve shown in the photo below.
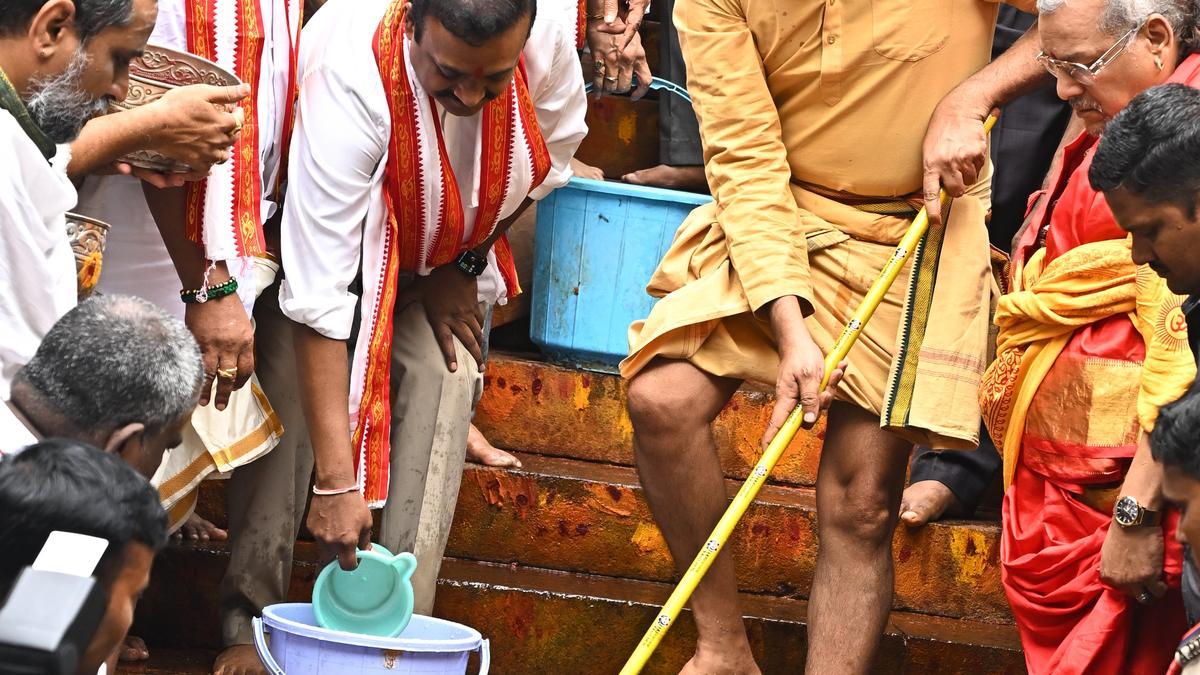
(561, 106)
(337, 147)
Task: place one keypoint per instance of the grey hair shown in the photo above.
(116, 360)
(1120, 16)
(91, 16)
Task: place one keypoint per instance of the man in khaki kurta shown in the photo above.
(812, 116)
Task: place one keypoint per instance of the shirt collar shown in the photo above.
(11, 101)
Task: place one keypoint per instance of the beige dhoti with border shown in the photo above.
(918, 361)
(218, 441)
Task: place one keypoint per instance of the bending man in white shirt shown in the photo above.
(61, 62)
(423, 130)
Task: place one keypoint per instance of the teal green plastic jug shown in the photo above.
(376, 598)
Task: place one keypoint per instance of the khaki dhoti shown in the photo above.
(743, 346)
(265, 500)
(431, 415)
(918, 361)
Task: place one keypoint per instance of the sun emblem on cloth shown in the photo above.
(1171, 331)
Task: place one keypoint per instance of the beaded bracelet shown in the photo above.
(203, 295)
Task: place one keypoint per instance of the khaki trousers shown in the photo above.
(431, 415)
(266, 498)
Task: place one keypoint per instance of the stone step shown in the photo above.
(545, 621)
(166, 661)
(553, 623)
(585, 517)
(559, 411)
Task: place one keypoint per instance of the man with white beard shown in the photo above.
(61, 62)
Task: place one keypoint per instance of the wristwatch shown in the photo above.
(470, 263)
(1127, 512)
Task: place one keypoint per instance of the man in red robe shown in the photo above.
(1087, 352)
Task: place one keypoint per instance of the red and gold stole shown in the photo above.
(414, 243)
(581, 25)
(246, 235)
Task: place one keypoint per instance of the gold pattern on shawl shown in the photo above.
(1087, 401)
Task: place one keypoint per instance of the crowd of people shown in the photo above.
(296, 294)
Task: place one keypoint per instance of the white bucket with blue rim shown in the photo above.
(298, 646)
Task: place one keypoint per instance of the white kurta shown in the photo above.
(339, 150)
(14, 435)
(135, 260)
(38, 283)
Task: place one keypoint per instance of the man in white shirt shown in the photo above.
(60, 63)
(398, 104)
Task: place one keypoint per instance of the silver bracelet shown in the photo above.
(336, 491)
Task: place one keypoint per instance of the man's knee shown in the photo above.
(657, 409)
(858, 512)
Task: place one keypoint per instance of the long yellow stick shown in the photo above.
(745, 496)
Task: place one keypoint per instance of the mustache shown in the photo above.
(60, 106)
(449, 93)
(1081, 103)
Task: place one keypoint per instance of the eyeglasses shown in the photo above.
(1086, 75)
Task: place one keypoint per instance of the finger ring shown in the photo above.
(610, 79)
(1145, 598)
(598, 66)
(227, 373)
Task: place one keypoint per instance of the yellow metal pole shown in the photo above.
(745, 496)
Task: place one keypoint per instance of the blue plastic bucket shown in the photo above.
(596, 246)
(427, 646)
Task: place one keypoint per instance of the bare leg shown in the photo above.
(859, 483)
(196, 528)
(239, 660)
(673, 177)
(924, 502)
(133, 648)
(586, 170)
(672, 404)
(481, 451)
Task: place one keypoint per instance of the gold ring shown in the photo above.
(598, 66)
(227, 373)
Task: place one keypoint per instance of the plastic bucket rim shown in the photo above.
(471, 642)
(630, 191)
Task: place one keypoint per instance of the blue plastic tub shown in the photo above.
(597, 243)
(298, 646)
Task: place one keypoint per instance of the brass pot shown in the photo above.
(153, 74)
(87, 236)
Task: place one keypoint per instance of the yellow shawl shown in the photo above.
(1049, 302)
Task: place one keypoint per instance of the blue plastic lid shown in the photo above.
(376, 598)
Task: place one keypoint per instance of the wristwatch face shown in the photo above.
(1126, 511)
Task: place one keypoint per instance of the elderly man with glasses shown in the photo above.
(1090, 345)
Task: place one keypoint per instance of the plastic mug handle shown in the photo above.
(485, 657)
(260, 644)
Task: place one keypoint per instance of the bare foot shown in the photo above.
(239, 660)
(924, 502)
(721, 661)
(586, 170)
(134, 649)
(480, 451)
(199, 529)
(689, 178)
